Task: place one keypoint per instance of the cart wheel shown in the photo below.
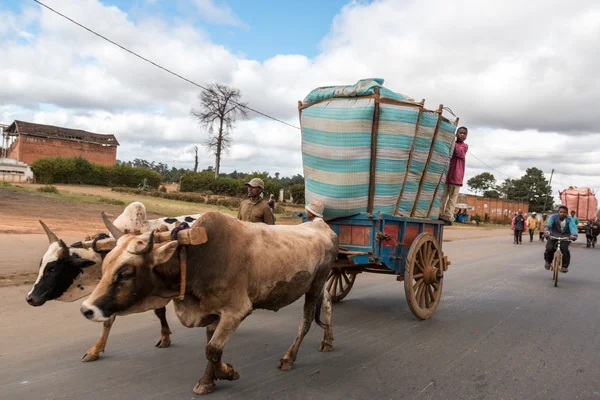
(424, 276)
(339, 282)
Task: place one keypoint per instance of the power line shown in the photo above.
(489, 166)
(580, 177)
(590, 152)
(159, 66)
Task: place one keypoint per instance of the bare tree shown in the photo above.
(196, 159)
(219, 108)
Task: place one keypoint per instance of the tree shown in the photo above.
(219, 108)
(531, 187)
(482, 182)
(196, 159)
(492, 194)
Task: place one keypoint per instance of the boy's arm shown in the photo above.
(461, 151)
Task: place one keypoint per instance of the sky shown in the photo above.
(522, 76)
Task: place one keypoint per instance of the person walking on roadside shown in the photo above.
(455, 176)
(254, 208)
(540, 226)
(519, 227)
(532, 223)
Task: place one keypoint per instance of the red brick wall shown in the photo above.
(497, 209)
(33, 148)
(14, 150)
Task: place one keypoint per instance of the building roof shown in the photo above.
(56, 132)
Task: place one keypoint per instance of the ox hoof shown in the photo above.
(204, 388)
(163, 342)
(89, 357)
(228, 374)
(285, 365)
(326, 347)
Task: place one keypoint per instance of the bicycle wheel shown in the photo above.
(556, 265)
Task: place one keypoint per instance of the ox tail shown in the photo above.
(318, 311)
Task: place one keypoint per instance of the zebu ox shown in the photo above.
(243, 266)
(70, 273)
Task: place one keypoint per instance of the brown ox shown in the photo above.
(243, 266)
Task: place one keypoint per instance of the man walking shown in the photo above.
(532, 225)
(519, 227)
(454, 179)
(255, 209)
(541, 225)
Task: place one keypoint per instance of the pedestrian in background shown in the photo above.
(519, 227)
(540, 226)
(532, 223)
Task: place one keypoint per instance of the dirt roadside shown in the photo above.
(22, 241)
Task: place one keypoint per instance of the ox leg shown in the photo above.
(326, 313)
(94, 353)
(310, 304)
(207, 383)
(225, 327)
(165, 331)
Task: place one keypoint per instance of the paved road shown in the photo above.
(501, 332)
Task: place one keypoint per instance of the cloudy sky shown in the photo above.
(523, 76)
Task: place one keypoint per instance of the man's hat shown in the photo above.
(315, 208)
(256, 182)
(534, 213)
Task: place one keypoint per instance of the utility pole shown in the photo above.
(550, 184)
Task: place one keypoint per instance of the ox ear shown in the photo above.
(83, 263)
(164, 253)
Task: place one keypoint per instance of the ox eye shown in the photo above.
(125, 276)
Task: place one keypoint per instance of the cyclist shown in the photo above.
(563, 226)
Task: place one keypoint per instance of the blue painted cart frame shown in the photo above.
(409, 248)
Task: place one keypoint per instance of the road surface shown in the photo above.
(502, 331)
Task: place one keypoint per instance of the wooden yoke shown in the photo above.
(194, 236)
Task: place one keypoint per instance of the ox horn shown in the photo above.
(111, 227)
(64, 250)
(51, 235)
(148, 247)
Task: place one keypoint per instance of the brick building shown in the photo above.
(27, 142)
(496, 209)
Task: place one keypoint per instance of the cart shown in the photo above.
(377, 160)
(409, 248)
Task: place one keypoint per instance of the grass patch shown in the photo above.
(48, 189)
(115, 202)
(5, 184)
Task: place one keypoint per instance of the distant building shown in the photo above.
(27, 142)
(495, 209)
(14, 171)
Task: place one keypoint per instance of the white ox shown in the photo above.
(68, 273)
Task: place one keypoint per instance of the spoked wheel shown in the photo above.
(424, 276)
(556, 265)
(339, 282)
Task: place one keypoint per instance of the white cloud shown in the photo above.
(219, 14)
(522, 76)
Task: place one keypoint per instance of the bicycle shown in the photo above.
(557, 260)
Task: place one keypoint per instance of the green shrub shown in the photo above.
(211, 201)
(48, 189)
(196, 181)
(5, 184)
(80, 171)
(111, 201)
(297, 192)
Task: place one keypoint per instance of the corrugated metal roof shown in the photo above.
(56, 132)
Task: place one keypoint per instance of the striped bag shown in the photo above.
(366, 149)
